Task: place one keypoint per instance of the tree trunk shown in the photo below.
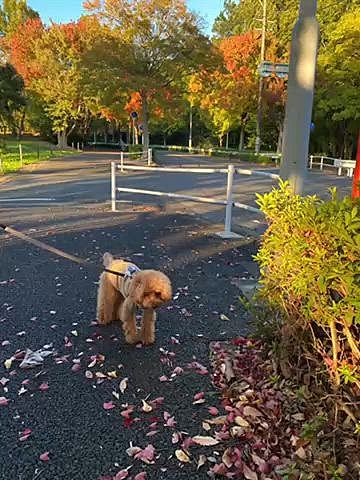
(242, 139)
(145, 120)
(164, 140)
(221, 139)
(62, 140)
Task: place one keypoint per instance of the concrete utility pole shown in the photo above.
(303, 55)
(261, 80)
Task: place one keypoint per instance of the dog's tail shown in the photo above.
(107, 259)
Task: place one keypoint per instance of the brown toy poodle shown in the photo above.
(120, 296)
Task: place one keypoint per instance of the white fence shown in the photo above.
(228, 203)
(322, 161)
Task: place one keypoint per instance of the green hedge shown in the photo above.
(310, 275)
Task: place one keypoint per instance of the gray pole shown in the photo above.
(261, 80)
(299, 105)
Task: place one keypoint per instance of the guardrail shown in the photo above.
(228, 203)
(147, 156)
(330, 162)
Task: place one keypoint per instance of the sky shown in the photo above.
(66, 10)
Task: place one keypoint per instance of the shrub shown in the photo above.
(310, 275)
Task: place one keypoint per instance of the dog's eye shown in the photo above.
(158, 294)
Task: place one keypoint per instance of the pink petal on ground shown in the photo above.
(4, 402)
(76, 367)
(140, 476)
(213, 411)
(164, 378)
(126, 413)
(108, 405)
(44, 386)
(121, 475)
(25, 435)
(158, 401)
(44, 457)
(178, 371)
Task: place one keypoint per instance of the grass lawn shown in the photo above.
(33, 151)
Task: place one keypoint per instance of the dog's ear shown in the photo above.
(137, 288)
(107, 259)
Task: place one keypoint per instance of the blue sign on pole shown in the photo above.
(312, 126)
(134, 115)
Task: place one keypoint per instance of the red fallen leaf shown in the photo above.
(44, 386)
(169, 420)
(44, 457)
(178, 371)
(121, 475)
(164, 378)
(25, 435)
(146, 455)
(213, 411)
(108, 405)
(126, 413)
(128, 422)
(199, 396)
(4, 402)
(76, 367)
(140, 476)
(219, 469)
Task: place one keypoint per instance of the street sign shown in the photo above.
(281, 70)
(312, 126)
(141, 127)
(134, 115)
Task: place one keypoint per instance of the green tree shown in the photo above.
(13, 13)
(339, 74)
(12, 98)
(148, 46)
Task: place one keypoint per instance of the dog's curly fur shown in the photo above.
(118, 298)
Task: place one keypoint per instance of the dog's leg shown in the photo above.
(148, 327)
(127, 313)
(108, 301)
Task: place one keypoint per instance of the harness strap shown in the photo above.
(55, 251)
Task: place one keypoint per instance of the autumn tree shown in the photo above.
(148, 45)
(49, 60)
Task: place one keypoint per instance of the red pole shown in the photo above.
(356, 184)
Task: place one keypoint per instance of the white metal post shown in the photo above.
(149, 157)
(113, 186)
(122, 162)
(78, 146)
(227, 233)
(311, 162)
(322, 164)
(21, 154)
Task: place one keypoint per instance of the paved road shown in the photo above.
(84, 180)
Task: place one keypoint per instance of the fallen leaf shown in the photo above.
(182, 456)
(8, 363)
(298, 416)
(140, 476)
(164, 378)
(226, 458)
(112, 374)
(89, 374)
(206, 426)
(252, 412)
(242, 422)
(123, 385)
(248, 473)
(44, 457)
(217, 421)
(108, 405)
(213, 411)
(4, 381)
(44, 386)
(132, 451)
(300, 452)
(76, 367)
(121, 475)
(201, 462)
(146, 407)
(205, 441)
(146, 455)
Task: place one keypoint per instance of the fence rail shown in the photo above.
(228, 203)
(330, 162)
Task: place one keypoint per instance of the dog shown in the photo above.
(120, 296)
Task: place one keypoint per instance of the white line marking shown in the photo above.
(9, 200)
